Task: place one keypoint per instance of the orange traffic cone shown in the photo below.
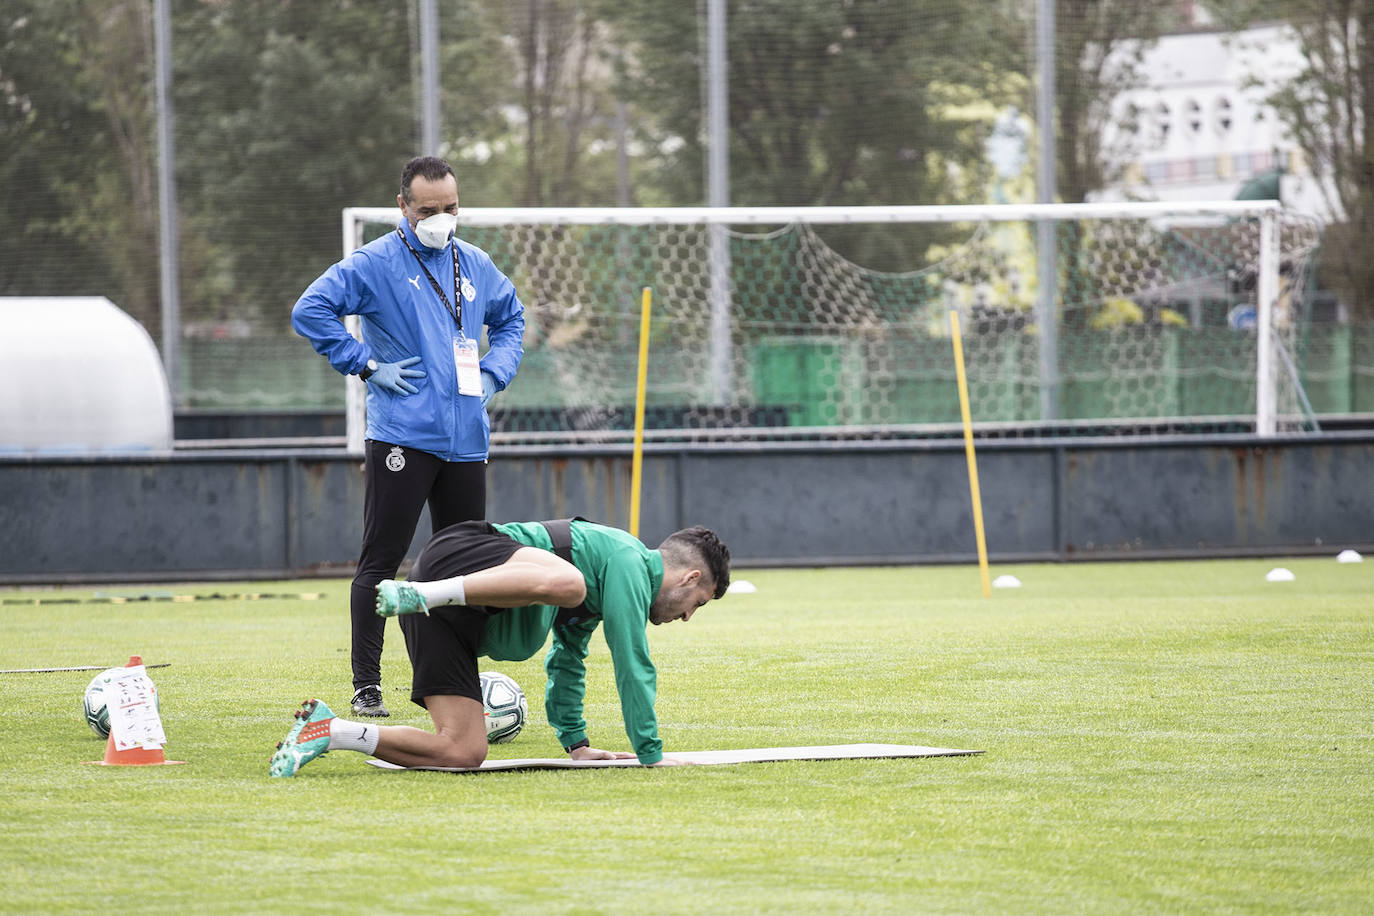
(132, 756)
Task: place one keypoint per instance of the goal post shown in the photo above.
(833, 318)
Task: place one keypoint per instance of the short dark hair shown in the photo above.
(698, 546)
(430, 168)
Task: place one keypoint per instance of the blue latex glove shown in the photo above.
(488, 387)
(392, 376)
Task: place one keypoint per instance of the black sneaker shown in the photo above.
(368, 702)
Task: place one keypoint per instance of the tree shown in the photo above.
(857, 102)
(286, 113)
(1329, 109)
(563, 68)
(1099, 45)
(80, 214)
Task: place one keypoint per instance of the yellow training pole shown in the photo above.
(968, 452)
(637, 463)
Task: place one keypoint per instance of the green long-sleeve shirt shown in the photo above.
(623, 577)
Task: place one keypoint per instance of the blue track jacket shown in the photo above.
(402, 316)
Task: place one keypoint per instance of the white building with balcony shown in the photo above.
(1200, 129)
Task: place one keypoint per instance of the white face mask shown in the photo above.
(434, 231)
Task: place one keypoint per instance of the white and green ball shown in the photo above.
(505, 706)
(93, 704)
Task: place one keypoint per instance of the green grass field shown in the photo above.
(1159, 737)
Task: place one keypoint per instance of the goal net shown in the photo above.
(805, 323)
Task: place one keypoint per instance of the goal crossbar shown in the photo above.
(756, 216)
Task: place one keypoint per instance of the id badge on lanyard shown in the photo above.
(469, 369)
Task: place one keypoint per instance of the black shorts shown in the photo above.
(444, 646)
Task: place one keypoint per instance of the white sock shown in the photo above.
(442, 591)
(353, 736)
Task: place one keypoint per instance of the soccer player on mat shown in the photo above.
(479, 589)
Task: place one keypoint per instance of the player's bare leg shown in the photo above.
(530, 576)
(459, 738)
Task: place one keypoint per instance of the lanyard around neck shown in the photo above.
(456, 313)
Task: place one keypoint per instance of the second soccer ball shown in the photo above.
(94, 706)
(505, 706)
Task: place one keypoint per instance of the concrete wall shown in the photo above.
(236, 513)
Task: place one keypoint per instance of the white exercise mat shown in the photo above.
(709, 758)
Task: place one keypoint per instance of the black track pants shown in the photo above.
(399, 481)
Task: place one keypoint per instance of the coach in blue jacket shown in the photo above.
(424, 297)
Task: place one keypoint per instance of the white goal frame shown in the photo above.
(1268, 212)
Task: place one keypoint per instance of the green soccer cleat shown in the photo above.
(396, 598)
(308, 739)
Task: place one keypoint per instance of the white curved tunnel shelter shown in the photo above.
(82, 377)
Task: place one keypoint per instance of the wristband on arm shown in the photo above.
(583, 743)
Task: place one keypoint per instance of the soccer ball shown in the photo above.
(505, 707)
(94, 706)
